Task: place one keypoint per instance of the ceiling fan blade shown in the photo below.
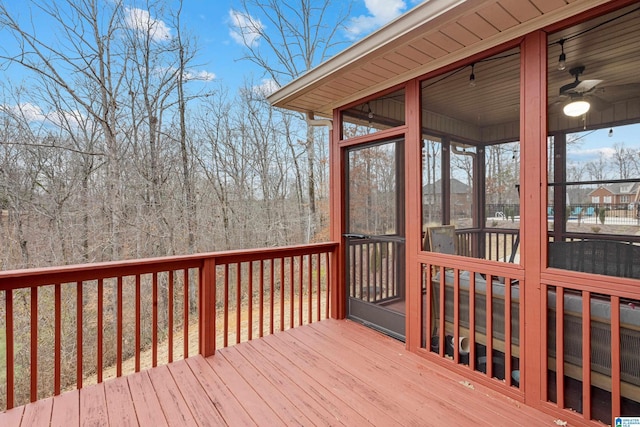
(586, 86)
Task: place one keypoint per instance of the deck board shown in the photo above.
(66, 411)
(328, 373)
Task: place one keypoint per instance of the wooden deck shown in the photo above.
(328, 373)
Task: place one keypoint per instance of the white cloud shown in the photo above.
(606, 152)
(380, 13)
(32, 113)
(201, 75)
(141, 20)
(266, 87)
(245, 29)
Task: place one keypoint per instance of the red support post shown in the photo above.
(207, 309)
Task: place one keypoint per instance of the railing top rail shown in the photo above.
(15, 279)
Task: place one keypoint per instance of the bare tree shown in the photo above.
(297, 36)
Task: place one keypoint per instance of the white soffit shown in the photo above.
(432, 35)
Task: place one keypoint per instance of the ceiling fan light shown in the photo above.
(576, 108)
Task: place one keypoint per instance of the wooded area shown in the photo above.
(115, 146)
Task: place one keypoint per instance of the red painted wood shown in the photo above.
(243, 392)
(238, 301)
(100, 330)
(441, 313)
(250, 303)
(282, 294)
(507, 330)
(615, 356)
(270, 382)
(271, 294)
(291, 291)
(38, 413)
(310, 288)
(321, 395)
(560, 346)
(330, 282)
(19, 279)
(489, 324)
(8, 294)
(208, 308)
(586, 355)
(318, 287)
(300, 289)
(472, 321)
(149, 412)
(533, 184)
(185, 313)
(261, 304)
(119, 316)
(170, 318)
(93, 406)
(230, 409)
(288, 413)
(199, 404)
(138, 321)
(154, 320)
(66, 410)
(79, 342)
(225, 338)
(34, 344)
(456, 314)
(172, 402)
(57, 353)
(12, 417)
(120, 408)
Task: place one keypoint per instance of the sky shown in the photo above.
(221, 49)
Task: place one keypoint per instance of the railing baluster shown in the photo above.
(586, 355)
(507, 330)
(8, 294)
(300, 296)
(261, 305)
(318, 279)
(170, 318)
(238, 300)
(225, 339)
(615, 355)
(119, 315)
(250, 302)
(282, 294)
(291, 292)
(309, 289)
(57, 339)
(185, 313)
(154, 321)
(489, 324)
(79, 345)
(560, 346)
(34, 344)
(327, 295)
(456, 314)
(472, 320)
(271, 294)
(138, 320)
(100, 330)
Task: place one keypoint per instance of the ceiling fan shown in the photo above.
(580, 95)
(577, 97)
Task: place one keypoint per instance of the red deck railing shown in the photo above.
(62, 325)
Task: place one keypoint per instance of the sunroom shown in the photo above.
(494, 144)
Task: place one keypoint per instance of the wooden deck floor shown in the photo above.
(328, 373)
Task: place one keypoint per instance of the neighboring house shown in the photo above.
(614, 194)
(460, 194)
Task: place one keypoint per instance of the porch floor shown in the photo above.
(328, 373)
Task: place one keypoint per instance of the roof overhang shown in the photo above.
(434, 34)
